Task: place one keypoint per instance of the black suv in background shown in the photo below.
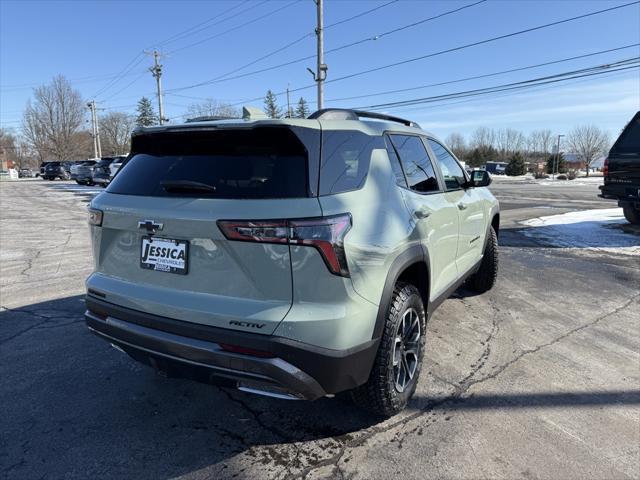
(102, 171)
(622, 171)
(53, 170)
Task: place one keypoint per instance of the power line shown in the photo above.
(183, 34)
(224, 78)
(237, 27)
(450, 50)
(361, 14)
(194, 29)
(481, 42)
(621, 65)
(486, 75)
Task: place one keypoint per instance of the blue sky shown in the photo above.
(91, 41)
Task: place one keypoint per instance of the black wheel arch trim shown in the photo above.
(412, 255)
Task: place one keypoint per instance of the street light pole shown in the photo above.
(556, 161)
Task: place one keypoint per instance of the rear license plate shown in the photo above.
(164, 255)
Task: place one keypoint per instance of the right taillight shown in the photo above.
(605, 168)
(325, 234)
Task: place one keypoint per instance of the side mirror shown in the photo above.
(480, 178)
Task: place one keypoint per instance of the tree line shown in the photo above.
(54, 128)
(588, 142)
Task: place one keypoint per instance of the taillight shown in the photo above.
(95, 217)
(326, 234)
(605, 168)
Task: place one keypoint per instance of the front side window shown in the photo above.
(452, 172)
(416, 163)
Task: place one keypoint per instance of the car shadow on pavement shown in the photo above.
(85, 409)
(73, 406)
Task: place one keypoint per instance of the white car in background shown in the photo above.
(116, 164)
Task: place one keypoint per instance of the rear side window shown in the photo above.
(452, 172)
(629, 140)
(416, 164)
(346, 156)
(395, 164)
(252, 163)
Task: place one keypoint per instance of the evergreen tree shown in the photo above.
(561, 165)
(302, 110)
(271, 106)
(481, 155)
(516, 165)
(146, 116)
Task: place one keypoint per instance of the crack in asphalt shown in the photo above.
(457, 395)
(43, 319)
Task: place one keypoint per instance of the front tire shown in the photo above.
(632, 215)
(394, 376)
(485, 278)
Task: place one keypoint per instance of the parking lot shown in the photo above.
(539, 378)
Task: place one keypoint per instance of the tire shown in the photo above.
(388, 389)
(79, 182)
(485, 278)
(632, 215)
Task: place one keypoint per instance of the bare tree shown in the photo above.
(115, 132)
(509, 141)
(52, 120)
(457, 144)
(212, 108)
(589, 142)
(483, 137)
(546, 140)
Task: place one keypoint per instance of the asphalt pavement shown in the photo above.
(539, 378)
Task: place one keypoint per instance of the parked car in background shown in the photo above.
(82, 172)
(496, 168)
(116, 164)
(26, 173)
(622, 171)
(55, 170)
(101, 174)
(42, 165)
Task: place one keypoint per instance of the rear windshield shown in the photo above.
(629, 140)
(256, 163)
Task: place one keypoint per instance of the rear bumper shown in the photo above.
(625, 194)
(190, 350)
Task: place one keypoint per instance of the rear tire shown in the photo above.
(485, 278)
(632, 215)
(394, 376)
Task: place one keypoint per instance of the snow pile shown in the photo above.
(598, 230)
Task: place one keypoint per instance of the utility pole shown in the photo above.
(321, 68)
(288, 103)
(97, 149)
(156, 70)
(556, 161)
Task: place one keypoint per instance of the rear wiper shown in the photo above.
(186, 186)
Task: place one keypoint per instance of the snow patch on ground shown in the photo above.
(601, 230)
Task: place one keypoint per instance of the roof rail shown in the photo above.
(348, 114)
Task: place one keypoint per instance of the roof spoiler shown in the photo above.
(348, 114)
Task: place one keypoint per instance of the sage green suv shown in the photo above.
(295, 258)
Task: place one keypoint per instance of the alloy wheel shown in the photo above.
(406, 349)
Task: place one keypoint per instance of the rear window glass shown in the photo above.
(629, 140)
(346, 155)
(256, 163)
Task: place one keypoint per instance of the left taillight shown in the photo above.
(95, 217)
(325, 234)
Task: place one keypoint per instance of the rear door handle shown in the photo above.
(421, 213)
(462, 206)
